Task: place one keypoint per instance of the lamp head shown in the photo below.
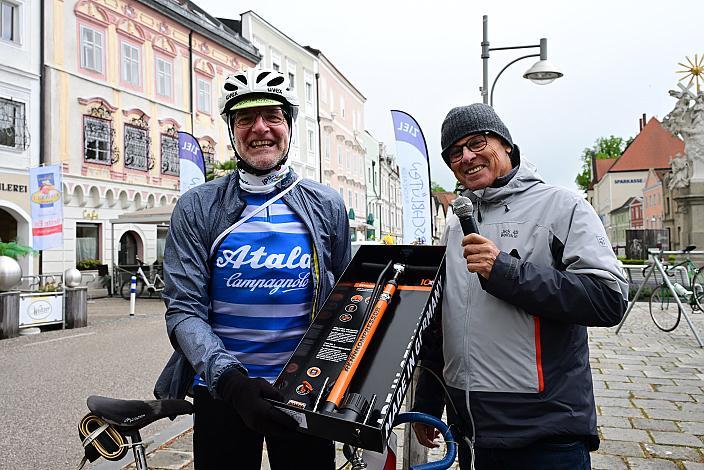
(543, 72)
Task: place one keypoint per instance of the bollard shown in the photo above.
(76, 307)
(9, 314)
(133, 294)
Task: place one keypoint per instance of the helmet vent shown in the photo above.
(262, 76)
(276, 81)
(230, 86)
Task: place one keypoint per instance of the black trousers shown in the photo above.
(221, 440)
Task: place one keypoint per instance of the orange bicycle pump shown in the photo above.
(364, 337)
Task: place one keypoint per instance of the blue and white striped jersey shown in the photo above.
(261, 287)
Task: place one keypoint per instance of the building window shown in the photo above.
(261, 47)
(339, 155)
(208, 156)
(9, 21)
(91, 49)
(311, 141)
(327, 146)
(294, 135)
(164, 78)
(292, 80)
(161, 233)
(130, 64)
(169, 155)
(275, 61)
(87, 241)
(203, 96)
(323, 89)
(12, 124)
(97, 140)
(309, 93)
(136, 147)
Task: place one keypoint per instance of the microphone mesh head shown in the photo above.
(463, 207)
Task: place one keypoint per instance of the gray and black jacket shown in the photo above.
(518, 341)
(199, 217)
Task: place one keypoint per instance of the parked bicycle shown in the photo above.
(113, 427)
(664, 311)
(154, 283)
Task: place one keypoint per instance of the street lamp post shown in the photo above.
(541, 73)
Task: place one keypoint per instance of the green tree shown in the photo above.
(221, 169)
(436, 188)
(603, 148)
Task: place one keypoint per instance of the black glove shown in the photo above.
(247, 397)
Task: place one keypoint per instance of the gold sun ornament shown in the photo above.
(693, 70)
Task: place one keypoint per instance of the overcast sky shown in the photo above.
(619, 58)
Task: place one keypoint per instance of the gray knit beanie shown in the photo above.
(465, 120)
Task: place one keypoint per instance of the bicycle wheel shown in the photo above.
(664, 310)
(698, 289)
(125, 289)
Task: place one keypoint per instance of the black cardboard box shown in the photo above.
(385, 371)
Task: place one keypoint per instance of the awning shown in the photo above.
(154, 215)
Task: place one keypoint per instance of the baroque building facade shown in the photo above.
(122, 79)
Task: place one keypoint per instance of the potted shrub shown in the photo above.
(86, 264)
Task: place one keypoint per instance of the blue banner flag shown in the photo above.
(414, 170)
(191, 163)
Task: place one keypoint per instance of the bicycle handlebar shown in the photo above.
(450, 455)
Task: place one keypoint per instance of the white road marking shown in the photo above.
(59, 339)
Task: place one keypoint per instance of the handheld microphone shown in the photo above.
(465, 211)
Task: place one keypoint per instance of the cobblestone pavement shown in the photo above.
(649, 389)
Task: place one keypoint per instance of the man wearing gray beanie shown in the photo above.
(518, 298)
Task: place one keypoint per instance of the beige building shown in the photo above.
(392, 207)
(625, 178)
(442, 210)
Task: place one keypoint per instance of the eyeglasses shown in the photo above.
(474, 145)
(272, 116)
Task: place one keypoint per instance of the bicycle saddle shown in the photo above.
(135, 414)
(690, 248)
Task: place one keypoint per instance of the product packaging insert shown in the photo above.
(347, 378)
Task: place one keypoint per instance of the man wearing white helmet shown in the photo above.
(248, 261)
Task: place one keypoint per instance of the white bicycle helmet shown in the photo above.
(267, 86)
(252, 83)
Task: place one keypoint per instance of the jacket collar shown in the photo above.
(525, 178)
